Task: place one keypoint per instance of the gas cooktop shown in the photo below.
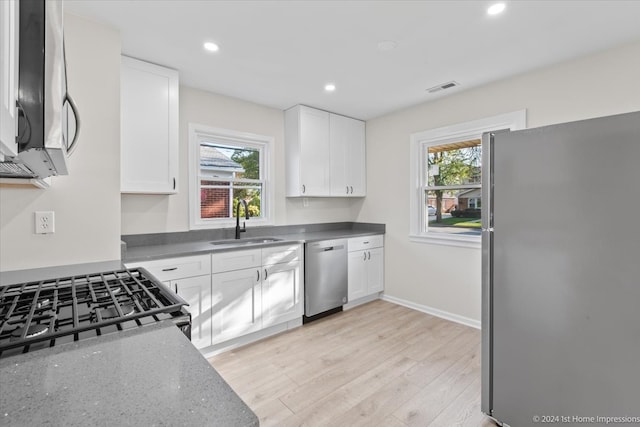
(42, 314)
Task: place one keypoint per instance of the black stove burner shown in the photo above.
(112, 312)
(32, 331)
(52, 312)
(43, 303)
(105, 294)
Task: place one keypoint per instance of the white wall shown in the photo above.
(169, 213)
(448, 278)
(86, 202)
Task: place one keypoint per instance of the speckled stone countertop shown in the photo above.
(149, 376)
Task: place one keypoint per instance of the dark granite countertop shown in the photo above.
(146, 376)
(165, 250)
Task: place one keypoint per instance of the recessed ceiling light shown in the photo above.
(329, 87)
(211, 47)
(385, 45)
(497, 8)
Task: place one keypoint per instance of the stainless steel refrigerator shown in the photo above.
(561, 274)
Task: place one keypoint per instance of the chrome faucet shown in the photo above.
(244, 224)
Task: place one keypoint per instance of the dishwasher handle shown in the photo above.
(326, 246)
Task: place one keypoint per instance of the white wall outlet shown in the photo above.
(45, 222)
(305, 202)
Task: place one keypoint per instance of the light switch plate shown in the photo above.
(45, 222)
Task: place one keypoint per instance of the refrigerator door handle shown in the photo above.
(486, 401)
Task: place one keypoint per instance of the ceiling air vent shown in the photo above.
(443, 86)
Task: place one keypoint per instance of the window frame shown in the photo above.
(198, 132)
(419, 144)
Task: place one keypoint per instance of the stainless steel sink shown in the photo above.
(246, 242)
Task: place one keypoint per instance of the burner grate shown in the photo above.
(42, 312)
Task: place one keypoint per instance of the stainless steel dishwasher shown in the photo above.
(325, 278)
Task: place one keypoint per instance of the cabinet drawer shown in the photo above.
(280, 254)
(236, 260)
(366, 242)
(176, 268)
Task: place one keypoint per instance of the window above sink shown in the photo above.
(225, 166)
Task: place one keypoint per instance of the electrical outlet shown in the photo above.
(45, 222)
(305, 202)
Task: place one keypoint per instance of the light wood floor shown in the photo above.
(379, 364)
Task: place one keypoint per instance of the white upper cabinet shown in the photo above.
(347, 149)
(149, 128)
(8, 77)
(307, 152)
(325, 154)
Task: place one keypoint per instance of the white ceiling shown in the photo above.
(281, 53)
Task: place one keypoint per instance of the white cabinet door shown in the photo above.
(347, 142)
(149, 127)
(236, 304)
(357, 275)
(307, 152)
(8, 77)
(356, 158)
(314, 152)
(375, 270)
(281, 300)
(197, 292)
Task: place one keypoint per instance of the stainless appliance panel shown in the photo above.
(325, 284)
(565, 289)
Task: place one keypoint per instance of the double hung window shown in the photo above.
(227, 167)
(446, 187)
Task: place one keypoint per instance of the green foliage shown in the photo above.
(459, 222)
(455, 167)
(253, 203)
(250, 161)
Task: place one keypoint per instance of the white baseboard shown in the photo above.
(434, 311)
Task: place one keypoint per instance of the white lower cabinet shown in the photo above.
(236, 304)
(281, 299)
(365, 267)
(357, 275)
(189, 277)
(235, 293)
(197, 292)
(260, 289)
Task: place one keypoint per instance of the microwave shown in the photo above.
(46, 115)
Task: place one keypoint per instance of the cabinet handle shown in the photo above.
(347, 189)
(365, 256)
(351, 190)
(369, 255)
(258, 276)
(176, 286)
(174, 183)
(170, 269)
(304, 189)
(265, 274)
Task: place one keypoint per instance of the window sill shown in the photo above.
(444, 239)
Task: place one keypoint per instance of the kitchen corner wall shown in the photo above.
(170, 213)
(87, 201)
(447, 279)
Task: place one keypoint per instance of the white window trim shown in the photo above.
(418, 232)
(198, 131)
